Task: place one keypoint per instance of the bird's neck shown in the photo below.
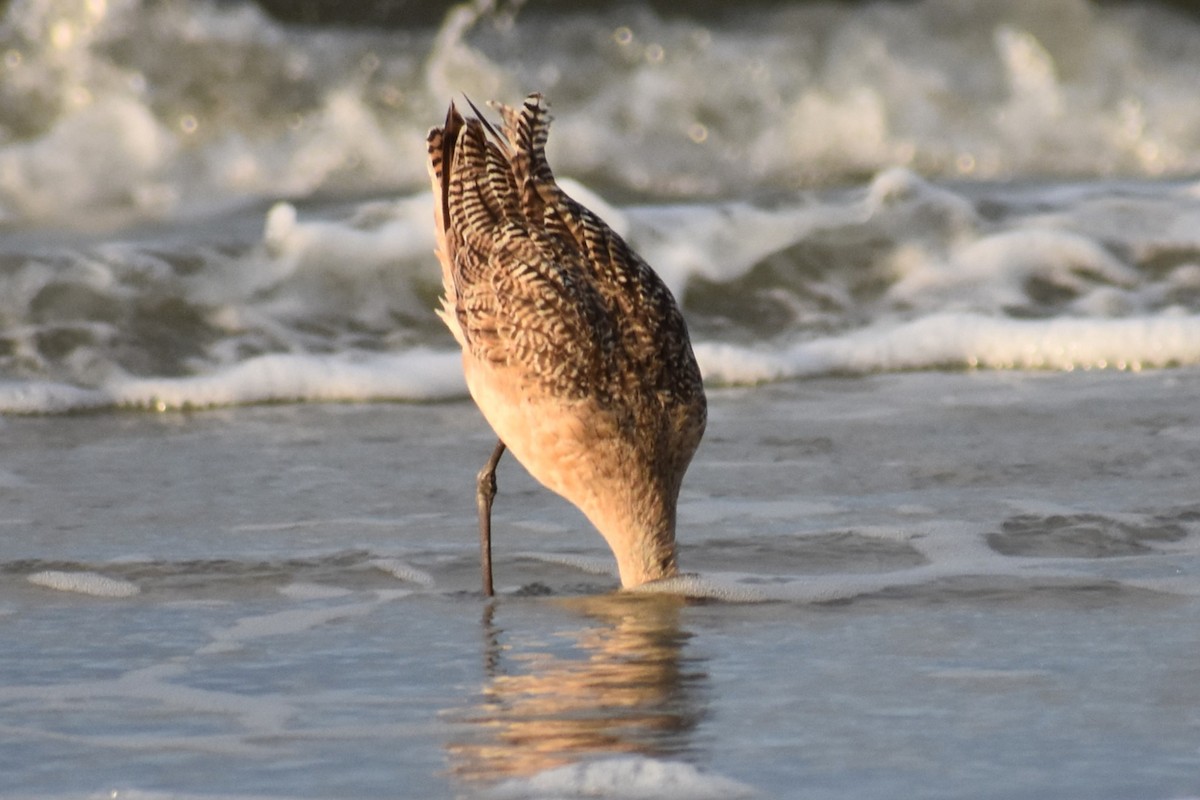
(641, 534)
(651, 559)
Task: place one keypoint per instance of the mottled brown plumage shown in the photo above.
(573, 348)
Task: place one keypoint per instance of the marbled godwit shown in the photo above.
(573, 348)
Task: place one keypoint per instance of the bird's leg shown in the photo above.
(485, 491)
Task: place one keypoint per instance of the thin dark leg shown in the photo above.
(485, 491)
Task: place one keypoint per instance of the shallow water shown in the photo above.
(972, 590)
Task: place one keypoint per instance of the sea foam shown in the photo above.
(782, 95)
(967, 341)
(284, 377)
(624, 779)
(331, 300)
(938, 341)
(292, 621)
(91, 583)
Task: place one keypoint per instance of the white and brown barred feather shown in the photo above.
(532, 279)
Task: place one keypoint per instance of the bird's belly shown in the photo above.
(564, 444)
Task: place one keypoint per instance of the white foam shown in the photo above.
(706, 587)
(716, 109)
(743, 588)
(45, 397)
(295, 620)
(722, 242)
(951, 549)
(968, 341)
(91, 583)
(628, 778)
(152, 687)
(115, 144)
(593, 565)
(995, 269)
(344, 268)
(413, 375)
(281, 623)
(333, 301)
(403, 571)
(234, 747)
(313, 591)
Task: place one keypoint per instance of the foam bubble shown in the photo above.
(630, 778)
(741, 588)
(90, 583)
(403, 571)
(705, 587)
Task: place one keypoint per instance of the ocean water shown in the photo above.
(941, 265)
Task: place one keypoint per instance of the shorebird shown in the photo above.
(573, 348)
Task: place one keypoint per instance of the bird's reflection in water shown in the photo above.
(612, 680)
